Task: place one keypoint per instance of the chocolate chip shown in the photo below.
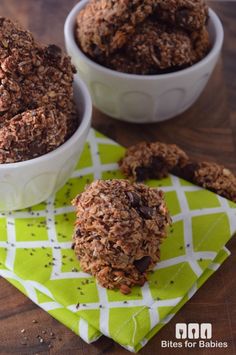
(145, 212)
(143, 264)
(142, 173)
(53, 51)
(73, 246)
(133, 198)
(186, 172)
(77, 233)
(158, 167)
(182, 15)
(96, 50)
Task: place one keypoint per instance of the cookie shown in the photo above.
(211, 176)
(191, 15)
(145, 161)
(17, 49)
(33, 79)
(118, 231)
(50, 83)
(151, 160)
(144, 37)
(31, 134)
(106, 25)
(155, 49)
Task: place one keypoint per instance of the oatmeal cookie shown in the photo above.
(31, 75)
(17, 48)
(118, 231)
(151, 160)
(32, 133)
(211, 176)
(200, 43)
(50, 82)
(156, 48)
(190, 15)
(156, 160)
(106, 25)
(144, 37)
(33, 79)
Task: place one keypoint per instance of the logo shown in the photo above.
(193, 331)
(192, 336)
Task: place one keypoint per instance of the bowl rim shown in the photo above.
(70, 39)
(84, 123)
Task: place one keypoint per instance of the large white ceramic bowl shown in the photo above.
(143, 98)
(30, 182)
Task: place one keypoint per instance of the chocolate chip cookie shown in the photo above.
(118, 231)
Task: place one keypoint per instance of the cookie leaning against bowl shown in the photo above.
(118, 231)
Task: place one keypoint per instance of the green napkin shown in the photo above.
(36, 255)
(83, 328)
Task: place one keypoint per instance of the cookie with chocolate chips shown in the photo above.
(104, 26)
(33, 80)
(151, 160)
(211, 176)
(157, 48)
(144, 37)
(118, 231)
(156, 160)
(32, 133)
(191, 15)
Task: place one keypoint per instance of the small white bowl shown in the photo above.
(143, 98)
(27, 183)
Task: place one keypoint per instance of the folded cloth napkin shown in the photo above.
(36, 255)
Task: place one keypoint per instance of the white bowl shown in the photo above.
(143, 98)
(30, 182)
